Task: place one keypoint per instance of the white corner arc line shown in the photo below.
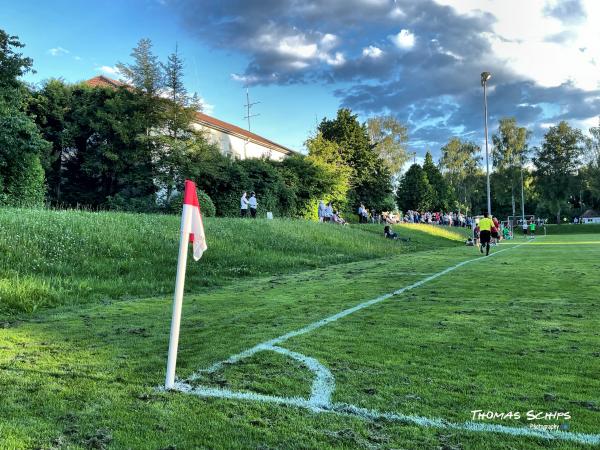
(369, 414)
(324, 382)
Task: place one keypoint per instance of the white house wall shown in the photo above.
(239, 147)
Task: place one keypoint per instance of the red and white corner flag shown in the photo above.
(190, 202)
(192, 229)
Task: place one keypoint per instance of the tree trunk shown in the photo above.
(558, 216)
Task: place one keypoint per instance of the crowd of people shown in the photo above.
(486, 230)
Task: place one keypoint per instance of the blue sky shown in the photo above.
(419, 61)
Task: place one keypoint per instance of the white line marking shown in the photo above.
(320, 323)
(368, 414)
(324, 382)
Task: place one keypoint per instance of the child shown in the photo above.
(476, 235)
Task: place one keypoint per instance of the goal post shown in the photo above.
(519, 224)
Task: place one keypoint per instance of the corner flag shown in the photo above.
(192, 229)
(190, 202)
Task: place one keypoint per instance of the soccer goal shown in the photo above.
(519, 225)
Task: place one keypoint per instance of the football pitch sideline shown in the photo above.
(438, 349)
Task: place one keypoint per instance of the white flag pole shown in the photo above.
(186, 219)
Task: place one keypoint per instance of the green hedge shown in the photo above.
(592, 228)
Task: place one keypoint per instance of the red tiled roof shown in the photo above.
(203, 119)
(102, 81)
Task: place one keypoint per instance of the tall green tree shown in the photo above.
(177, 138)
(460, 164)
(590, 174)
(51, 106)
(389, 137)
(13, 64)
(370, 180)
(509, 154)
(145, 73)
(328, 156)
(414, 191)
(21, 146)
(442, 197)
(556, 165)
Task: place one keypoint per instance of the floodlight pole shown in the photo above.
(522, 193)
(485, 76)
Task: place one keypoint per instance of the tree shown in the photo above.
(509, 153)
(327, 155)
(442, 194)
(414, 191)
(13, 65)
(556, 164)
(21, 173)
(145, 73)
(590, 174)
(460, 164)
(51, 108)
(179, 137)
(389, 137)
(370, 180)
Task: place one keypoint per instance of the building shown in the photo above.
(231, 139)
(240, 143)
(590, 216)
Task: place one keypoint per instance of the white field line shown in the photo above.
(324, 382)
(320, 323)
(368, 414)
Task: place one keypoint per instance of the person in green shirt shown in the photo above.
(485, 233)
(532, 229)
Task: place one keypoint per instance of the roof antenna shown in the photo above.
(249, 105)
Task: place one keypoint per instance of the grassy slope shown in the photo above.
(522, 337)
(50, 258)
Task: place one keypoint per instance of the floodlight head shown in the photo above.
(485, 76)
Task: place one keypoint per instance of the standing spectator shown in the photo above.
(321, 210)
(328, 212)
(244, 205)
(253, 205)
(362, 212)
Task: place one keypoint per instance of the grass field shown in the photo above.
(51, 258)
(517, 331)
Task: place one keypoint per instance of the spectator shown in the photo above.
(336, 218)
(362, 214)
(321, 210)
(253, 205)
(328, 213)
(389, 234)
(244, 205)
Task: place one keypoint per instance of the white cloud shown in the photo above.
(251, 79)
(207, 108)
(109, 70)
(337, 60)
(528, 42)
(58, 51)
(396, 13)
(77, 58)
(372, 52)
(328, 41)
(405, 39)
(297, 47)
